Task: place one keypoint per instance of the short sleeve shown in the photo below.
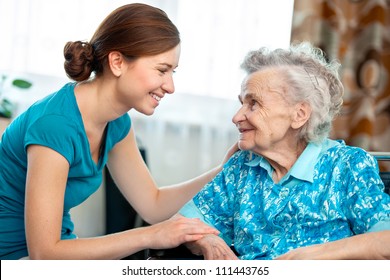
(119, 128)
(55, 132)
(190, 210)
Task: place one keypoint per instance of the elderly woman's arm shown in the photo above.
(369, 246)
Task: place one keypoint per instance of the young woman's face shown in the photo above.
(147, 79)
(264, 119)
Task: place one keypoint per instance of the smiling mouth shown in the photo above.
(155, 96)
(243, 130)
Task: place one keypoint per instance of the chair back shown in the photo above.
(385, 175)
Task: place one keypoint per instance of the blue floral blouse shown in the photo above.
(333, 191)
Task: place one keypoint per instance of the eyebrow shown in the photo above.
(167, 65)
(251, 96)
(248, 96)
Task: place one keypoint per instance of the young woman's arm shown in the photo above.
(45, 189)
(136, 183)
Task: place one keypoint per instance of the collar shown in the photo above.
(303, 168)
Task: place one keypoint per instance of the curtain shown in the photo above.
(357, 33)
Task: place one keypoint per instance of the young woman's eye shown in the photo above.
(162, 71)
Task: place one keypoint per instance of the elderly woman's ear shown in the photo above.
(301, 115)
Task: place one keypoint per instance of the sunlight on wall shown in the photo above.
(216, 38)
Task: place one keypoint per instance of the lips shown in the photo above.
(243, 130)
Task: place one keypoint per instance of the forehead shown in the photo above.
(263, 81)
(169, 58)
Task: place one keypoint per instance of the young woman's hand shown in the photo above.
(177, 230)
(230, 152)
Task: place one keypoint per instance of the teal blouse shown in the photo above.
(55, 122)
(333, 191)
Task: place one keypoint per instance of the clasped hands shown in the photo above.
(212, 247)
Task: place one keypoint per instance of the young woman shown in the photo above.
(52, 155)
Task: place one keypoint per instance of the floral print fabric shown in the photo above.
(342, 197)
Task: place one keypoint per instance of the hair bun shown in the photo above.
(78, 60)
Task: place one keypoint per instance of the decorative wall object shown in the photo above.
(357, 33)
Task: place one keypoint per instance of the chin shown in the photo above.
(146, 112)
(243, 147)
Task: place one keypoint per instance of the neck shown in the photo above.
(282, 160)
(97, 103)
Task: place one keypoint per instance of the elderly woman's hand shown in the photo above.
(212, 247)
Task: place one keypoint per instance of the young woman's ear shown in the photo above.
(116, 63)
(301, 115)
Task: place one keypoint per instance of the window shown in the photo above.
(216, 35)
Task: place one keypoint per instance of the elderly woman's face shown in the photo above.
(264, 119)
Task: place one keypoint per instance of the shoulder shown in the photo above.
(352, 155)
(122, 122)
(57, 132)
(342, 154)
(239, 159)
(238, 165)
(56, 100)
(119, 128)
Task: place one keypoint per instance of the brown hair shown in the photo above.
(134, 30)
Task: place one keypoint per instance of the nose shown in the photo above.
(239, 116)
(168, 85)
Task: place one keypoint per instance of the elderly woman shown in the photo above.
(291, 192)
